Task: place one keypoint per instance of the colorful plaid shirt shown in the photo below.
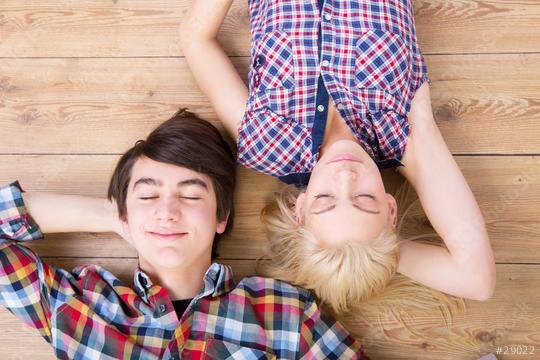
(361, 55)
(90, 314)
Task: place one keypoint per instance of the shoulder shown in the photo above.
(424, 133)
(258, 286)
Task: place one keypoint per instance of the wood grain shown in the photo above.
(131, 28)
(85, 106)
(125, 28)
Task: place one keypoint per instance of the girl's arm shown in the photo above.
(212, 69)
(56, 213)
(467, 267)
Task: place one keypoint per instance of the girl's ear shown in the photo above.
(392, 206)
(299, 207)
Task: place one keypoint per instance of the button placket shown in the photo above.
(257, 63)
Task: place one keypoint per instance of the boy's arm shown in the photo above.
(467, 267)
(211, 67)
(29, 288)
(57, 213)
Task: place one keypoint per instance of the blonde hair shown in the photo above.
(351, 277)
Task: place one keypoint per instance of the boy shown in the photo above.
(173, 193)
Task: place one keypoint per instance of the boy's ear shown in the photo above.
(126, 235)
(222, 224)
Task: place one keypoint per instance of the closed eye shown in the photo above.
(148, 197)
(320, 196)
(365, 195)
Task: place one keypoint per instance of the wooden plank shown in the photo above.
(488, 103)
(475, 26)
(131, 28)
(91, 105)
(127, 28)
(104, 105)
(503, 320)
(507, 189)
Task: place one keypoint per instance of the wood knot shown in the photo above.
(445, 113)
(485, 336)
(29, 116)
(6, 86)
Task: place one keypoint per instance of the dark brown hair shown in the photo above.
(189, 142)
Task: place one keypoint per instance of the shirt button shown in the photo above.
(320, 108)
(259, 61)
(325, 63)
(327, 17)
(340, 106)
(162, 308)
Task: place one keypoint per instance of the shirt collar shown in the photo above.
(218, 280)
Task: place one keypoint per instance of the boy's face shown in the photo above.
(171, 216)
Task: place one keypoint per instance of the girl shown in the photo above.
(338, 89)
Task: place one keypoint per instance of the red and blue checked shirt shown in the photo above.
(361, 55)
(88, 313)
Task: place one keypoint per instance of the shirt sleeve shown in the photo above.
(322, 337)
(29, 288)
(15, 222)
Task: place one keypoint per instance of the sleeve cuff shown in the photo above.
(15, 222)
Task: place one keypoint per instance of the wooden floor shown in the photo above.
(81, 80)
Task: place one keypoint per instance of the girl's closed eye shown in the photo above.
(366, 196)
(322, 196)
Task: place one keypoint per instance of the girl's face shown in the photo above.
(345, 198)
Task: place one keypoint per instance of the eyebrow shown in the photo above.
(332, 207)
(183, 183)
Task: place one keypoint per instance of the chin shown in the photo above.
(170, 258)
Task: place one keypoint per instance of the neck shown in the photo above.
(336, 129)
(181, 283)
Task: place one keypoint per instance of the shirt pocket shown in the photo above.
(272, 64)
(271, 144)
(224, 350)
(271, 78)
(383, 62)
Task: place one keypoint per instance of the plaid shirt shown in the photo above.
(90, 314)
(361, 55)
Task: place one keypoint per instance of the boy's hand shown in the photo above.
(117, 225)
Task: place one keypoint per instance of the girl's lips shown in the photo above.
(345, 157)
